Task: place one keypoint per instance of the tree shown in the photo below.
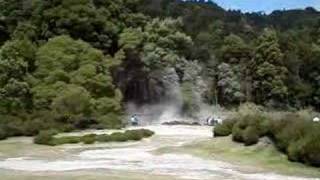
(229, 84)
(150, 51)
(67, 70)
(16, 63)
(269, 72)
(165, 45)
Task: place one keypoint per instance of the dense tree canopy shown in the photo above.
(75, 62)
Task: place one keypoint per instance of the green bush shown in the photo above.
(45, 137)
(250, 136)
(237, 134)
(290, 129)
(119, 137)
(147, 132)
(294, 134)
(298, 137)
(224, 129)
(89, 139)
(310, 151)
(103, 138)
(134, 135)
(66, 140)
(294, 150)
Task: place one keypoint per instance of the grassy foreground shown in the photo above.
(262, 156)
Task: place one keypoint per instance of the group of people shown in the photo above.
(212, 121)
(134, 121)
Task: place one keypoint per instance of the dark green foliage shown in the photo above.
(119, 137)
(104, 138)
(224, 129)
(249, 128)
(89, 139)
(299, 138)
(64, 65)
(47, 137)
(250, 136)
(237, 134)
(65, 140)
(293, 134)
(269, 70)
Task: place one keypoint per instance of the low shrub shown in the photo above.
(299, 138)
(103, 138)
(250, 136)
(310, 150)
(224, 129)
(119, 137)
(146, 132)
(237, 134)
(293, 133)
(134, 135)
(294, 150)
(290, 129)
(66, 140)
(89, 139)
(45, 137)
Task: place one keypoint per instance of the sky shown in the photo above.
(267, 5)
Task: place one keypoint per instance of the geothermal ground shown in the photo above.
(175, 152)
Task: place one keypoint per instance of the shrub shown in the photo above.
(66, 140)
(45, 137)
(299, 138)
(295, 134)
(310, 150)
(237, 134)
(89, 139)
(134, 135)
(250, 136)
(290, 129)
(104, 138)
(294, 150)
(224, 129)
(147, 132)
(249, 109)
(118, 137)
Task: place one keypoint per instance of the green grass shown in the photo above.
(264, 157)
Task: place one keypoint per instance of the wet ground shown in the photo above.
(170, 154)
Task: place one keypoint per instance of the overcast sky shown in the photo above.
(267, 5)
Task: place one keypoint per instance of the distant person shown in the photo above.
(218, 120)
(134, 120)
(210, 121)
